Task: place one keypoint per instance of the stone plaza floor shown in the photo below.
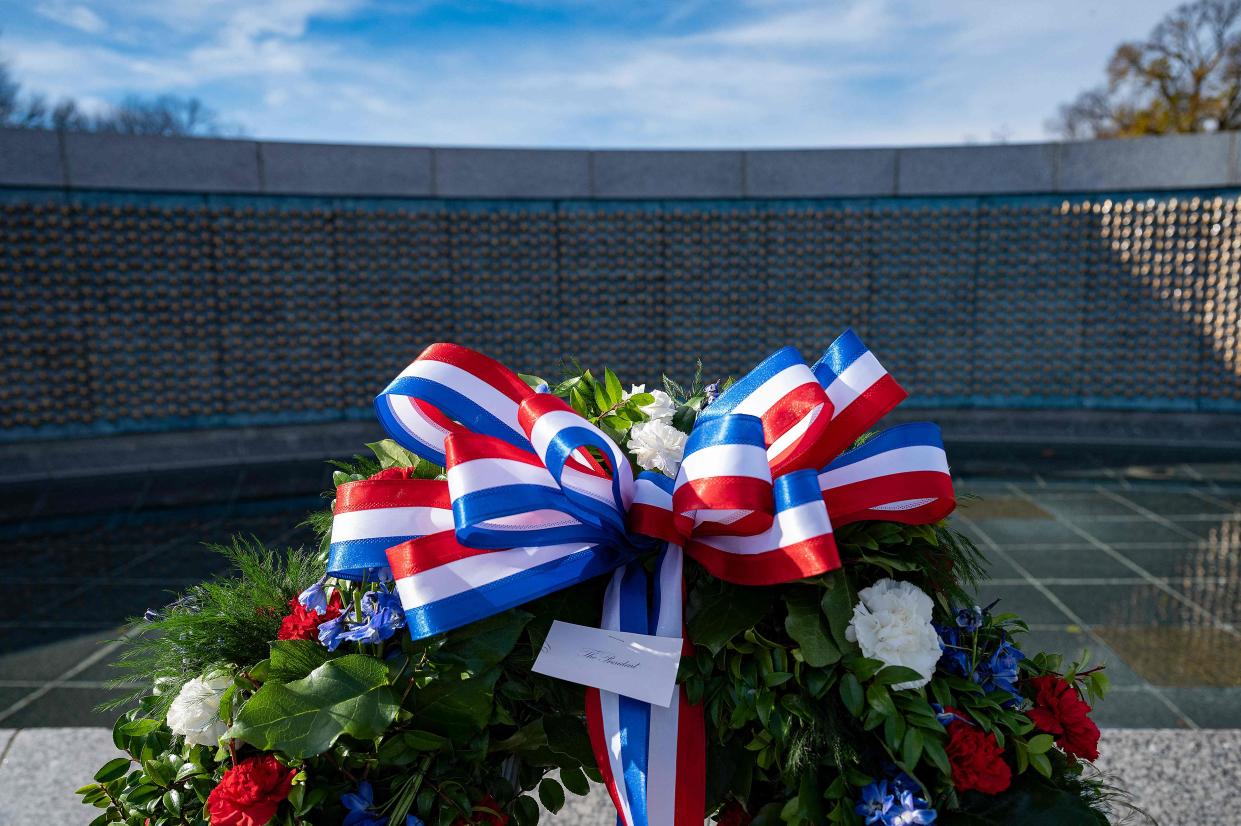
(1134, 556)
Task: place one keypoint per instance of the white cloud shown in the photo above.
(846, 72)
(77, 17)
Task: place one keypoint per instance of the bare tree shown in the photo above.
(1185, 77)
(162, 115)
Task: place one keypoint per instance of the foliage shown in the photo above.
(220, 623)
(1185, 77)
(457, 725)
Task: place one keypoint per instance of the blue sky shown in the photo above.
(619, 73)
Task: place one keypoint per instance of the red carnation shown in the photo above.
(1060, 710)
(977, 759)
(303, 623)
(249, 793)
(394, 473)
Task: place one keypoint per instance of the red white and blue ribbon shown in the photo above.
(537, 499)
(653, 759)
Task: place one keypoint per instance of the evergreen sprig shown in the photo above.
(228, 621)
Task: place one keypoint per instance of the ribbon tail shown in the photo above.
(676, 789)
(861, 391)
(653, 759)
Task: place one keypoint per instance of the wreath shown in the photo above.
(834, 666)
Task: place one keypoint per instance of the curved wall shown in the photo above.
(150, 283)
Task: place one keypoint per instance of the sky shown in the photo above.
(614, 73)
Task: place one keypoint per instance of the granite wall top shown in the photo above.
(36, 158)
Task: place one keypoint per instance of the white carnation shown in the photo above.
(659, 410)
(657, 445)
(196, 710)
(892, 624)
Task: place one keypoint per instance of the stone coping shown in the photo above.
(1178, 777)
(39, 158)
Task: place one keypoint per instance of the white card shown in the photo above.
(636, 665)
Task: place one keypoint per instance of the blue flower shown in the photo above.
(970, 619)
(314, 598)
(712, 392)
(955, 659)
(381, 618)
(909, 810)
(542, 387)
(330, 632)
(357, 805)
(876, 802)
(358, 809)
(1002, 671)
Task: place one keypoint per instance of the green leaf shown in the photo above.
(683, 419)
(529, 737)
(112, 770)
(144, 793)
(349, 695)
(423, 740)
(1040, 743)
(579, 400)
(97, 797)
(851, 694)
(934, 751)
(457, 709)
(893, 674)
(391, 454)
(172, 801)
(837, 604)
(551, 794)
(567, 735)
(159, 772)
(809, 800)
(718, 611)
(615, 393)
(140, 728)
(526, 811)
(602, 402)
(894, 732)
(293, 659)
(864, 667)
(880, 700)
(531, 380)
(485, 643)
(1041, 764)
(575, 781)
(806, 625)
(911, 749)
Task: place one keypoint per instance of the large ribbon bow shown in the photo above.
(538, 499)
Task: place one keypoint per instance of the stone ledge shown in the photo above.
(31, 158)
(327, 169)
